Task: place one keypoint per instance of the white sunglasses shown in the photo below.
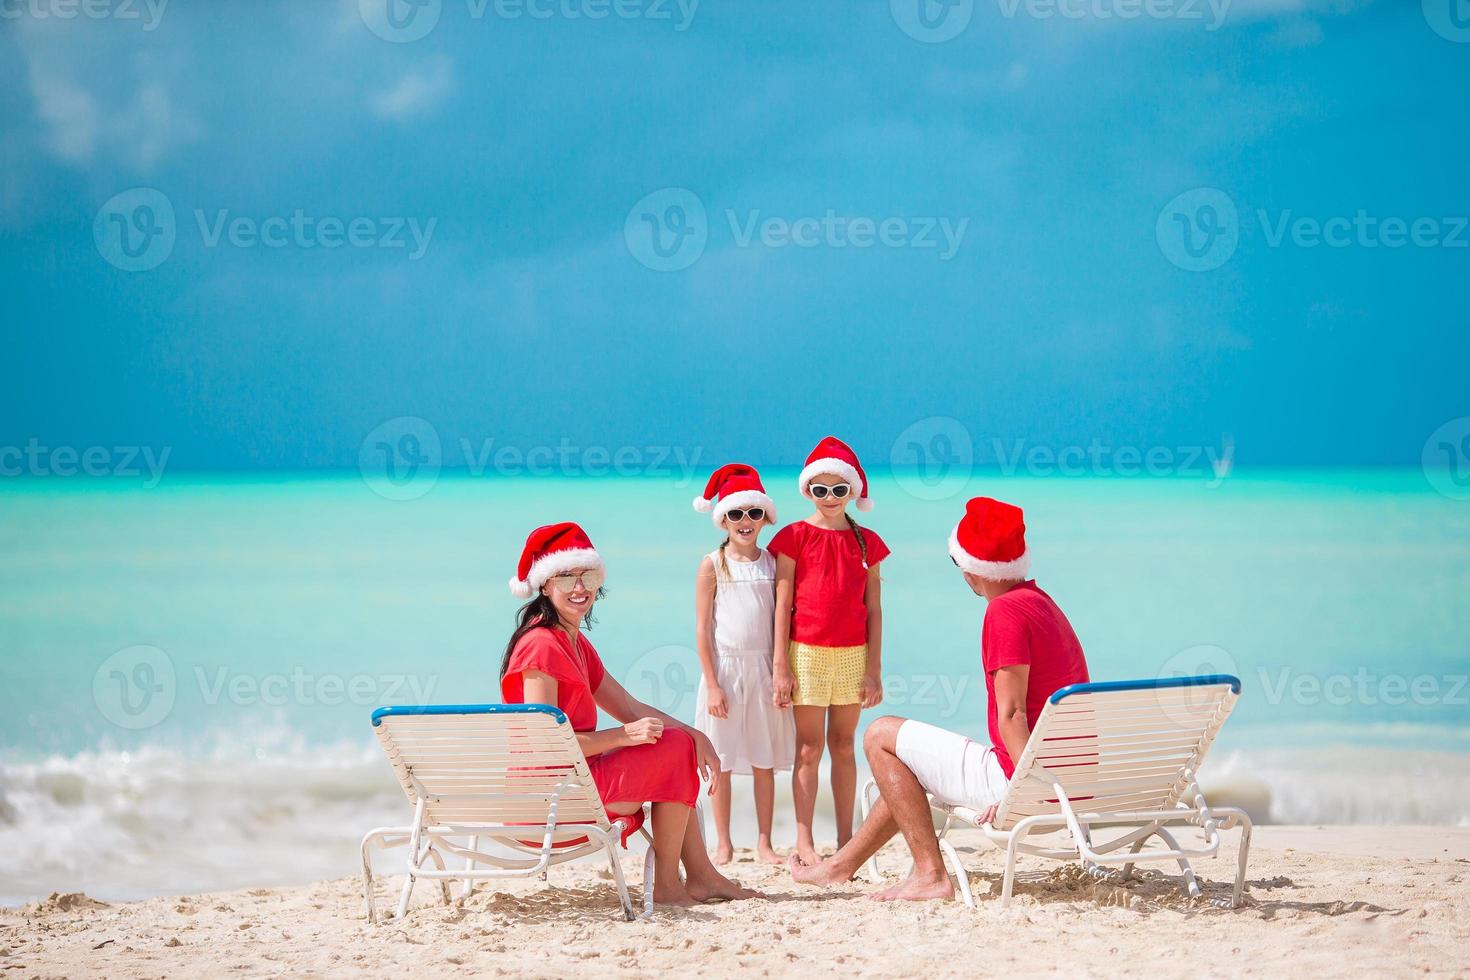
(819, 491)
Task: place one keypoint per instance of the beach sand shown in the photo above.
(1322, 901)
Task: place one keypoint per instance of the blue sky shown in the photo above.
(1049, 146)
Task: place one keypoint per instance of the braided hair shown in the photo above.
(857, 532)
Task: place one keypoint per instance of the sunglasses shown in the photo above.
(736, 515)
(591, 580)
(819, 491)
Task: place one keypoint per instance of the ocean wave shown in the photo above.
(122, 825)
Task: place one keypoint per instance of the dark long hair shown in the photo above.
(539, 613)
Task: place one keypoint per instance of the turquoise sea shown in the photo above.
(187, 670)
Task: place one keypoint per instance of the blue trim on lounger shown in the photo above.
(467, 709)
(1150, 684)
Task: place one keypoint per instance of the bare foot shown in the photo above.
(724, 854)
(766, 854)
(673, 894)
(718, 888)
(821, 873)
(807, 854)
(917, 888)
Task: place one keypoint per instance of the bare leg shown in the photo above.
(724, 852)
(904, 807)
(841, 726)
(704, 882)
(810, 738)
(670, 821)
(764, 781)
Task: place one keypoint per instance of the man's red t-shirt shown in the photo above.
(1025, 626)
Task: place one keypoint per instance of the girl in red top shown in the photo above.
(651, 757)
(829, 632)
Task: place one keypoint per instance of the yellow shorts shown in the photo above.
(827, 675)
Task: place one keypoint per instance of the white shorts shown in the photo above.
(952, 768)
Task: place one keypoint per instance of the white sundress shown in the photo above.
(756, 734)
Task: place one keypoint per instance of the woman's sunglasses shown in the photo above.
(591, 580)
(819, 491)
(736, 515)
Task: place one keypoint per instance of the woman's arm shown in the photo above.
(613, 698)
(704, 618)
(540, 688)
(783, 682)
(871, 691)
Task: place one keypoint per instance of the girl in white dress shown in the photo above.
(735, 607)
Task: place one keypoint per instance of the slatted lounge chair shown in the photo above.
(512, 774)
(1119, 757)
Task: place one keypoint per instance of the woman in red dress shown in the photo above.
(652, 757)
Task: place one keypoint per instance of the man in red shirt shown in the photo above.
(1028, 650)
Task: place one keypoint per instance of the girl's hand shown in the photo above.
(644, 731)
(709, 759)
(870, 691)
(783, 686)
(715, 701)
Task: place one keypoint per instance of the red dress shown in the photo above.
(666, 771)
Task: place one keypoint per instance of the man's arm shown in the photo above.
(1010, 708)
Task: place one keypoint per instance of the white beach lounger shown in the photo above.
(508, 773)
(1115, 756)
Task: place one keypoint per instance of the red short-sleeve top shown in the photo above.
(829, 607)
(578, 673)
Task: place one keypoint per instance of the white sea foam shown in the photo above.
(122, 825)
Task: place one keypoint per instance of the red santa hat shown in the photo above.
(990, 541)
(832, 455)
(549, 551)
(734, 485)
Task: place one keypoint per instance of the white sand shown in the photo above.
(1335, 901)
